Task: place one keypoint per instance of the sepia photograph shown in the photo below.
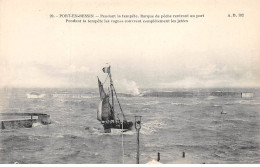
(129, 82)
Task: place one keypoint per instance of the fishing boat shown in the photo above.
(106, 113)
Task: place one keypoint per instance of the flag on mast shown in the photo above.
(106, 69)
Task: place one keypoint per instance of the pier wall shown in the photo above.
(24, 122)
(44, 119)
(13, 124)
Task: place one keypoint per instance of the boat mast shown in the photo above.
(112, 96)
(113, 89)
(119, 104)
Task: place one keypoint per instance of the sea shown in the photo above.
(212, 126)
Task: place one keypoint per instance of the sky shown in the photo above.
(214, 51)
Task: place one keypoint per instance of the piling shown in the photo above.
(158, 157)
(2, 125)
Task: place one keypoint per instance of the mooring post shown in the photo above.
(183, 154)
(158, 157)
(2, 125)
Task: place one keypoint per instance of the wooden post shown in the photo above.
(183, 154)
(2, 125)
(158, 157)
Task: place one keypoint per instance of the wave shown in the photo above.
(73, 96)
(34, 138)
(130, 95)
(249, 147)
(185, 104)
(169, 94)
(211, 97)
(94, 130)
(208, 95)
(152, 127)
(70, 136)
(76, 103)
(215, 122)
(35, 95)
(253, 102)
(237, 121)
(37, 124)
(149, 103)
(249, 102)
(114, 132)
(119, 132)
(16, 139)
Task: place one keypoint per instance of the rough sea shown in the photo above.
(173, 121)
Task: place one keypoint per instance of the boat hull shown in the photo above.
(117, 125)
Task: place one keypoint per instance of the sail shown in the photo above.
(99, 112)
(101, 90)
(104, 110)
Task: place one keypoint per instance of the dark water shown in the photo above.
(187, 121)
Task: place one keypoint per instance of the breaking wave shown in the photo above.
(35, 95)
(37, 124)
(114, 132)
(248, 102)
(127, 87)
(253, 102)
(152, 127)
